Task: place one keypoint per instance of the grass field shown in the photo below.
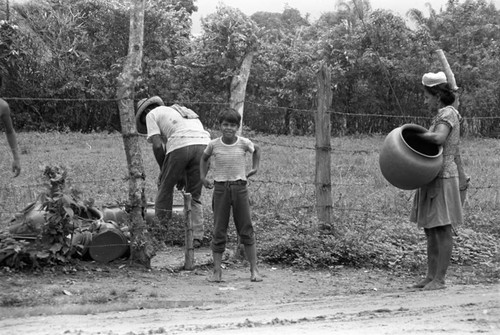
(366, 208)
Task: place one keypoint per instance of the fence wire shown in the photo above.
(307, 187)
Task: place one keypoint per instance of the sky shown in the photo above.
(313, 7)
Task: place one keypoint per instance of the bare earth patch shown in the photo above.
(93, 298)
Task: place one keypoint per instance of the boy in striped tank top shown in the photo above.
(230, 190)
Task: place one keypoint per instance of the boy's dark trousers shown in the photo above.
(226, 196)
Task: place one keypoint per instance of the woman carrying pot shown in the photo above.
(437, 206)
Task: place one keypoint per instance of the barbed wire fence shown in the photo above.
(83, 113)
(350, 190)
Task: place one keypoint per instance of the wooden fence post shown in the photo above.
(188, 227)
(323, 148)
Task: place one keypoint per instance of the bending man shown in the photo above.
(178, 139)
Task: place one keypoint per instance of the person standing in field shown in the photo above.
(437, 206)
(178, 140)
(230, 190)
(5, 117)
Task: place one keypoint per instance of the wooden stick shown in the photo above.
(189, 252)
(450, 77)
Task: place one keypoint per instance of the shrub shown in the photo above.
(363, 241)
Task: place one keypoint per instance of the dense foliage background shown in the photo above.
(60, 60)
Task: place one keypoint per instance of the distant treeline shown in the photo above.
(59, 63)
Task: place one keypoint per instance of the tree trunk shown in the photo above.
(239, 86)
(237, 102)
(141, 246)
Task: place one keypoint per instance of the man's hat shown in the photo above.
(432, 79)
(141, 107)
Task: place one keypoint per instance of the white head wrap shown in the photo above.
(432, 79)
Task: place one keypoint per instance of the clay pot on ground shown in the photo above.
(81, 242)
(408, 162)
(110, 242)
(28, 223)
(108, 245)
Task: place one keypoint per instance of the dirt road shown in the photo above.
(343, 301)
(458, 310)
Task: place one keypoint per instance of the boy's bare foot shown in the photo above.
(255, 277)
(422, 283)
(434, 285)
(216, 277)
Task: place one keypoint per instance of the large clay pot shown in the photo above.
(407, 161)
(115, 213)
(29, 222)
(81, 242)
(108, 245)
